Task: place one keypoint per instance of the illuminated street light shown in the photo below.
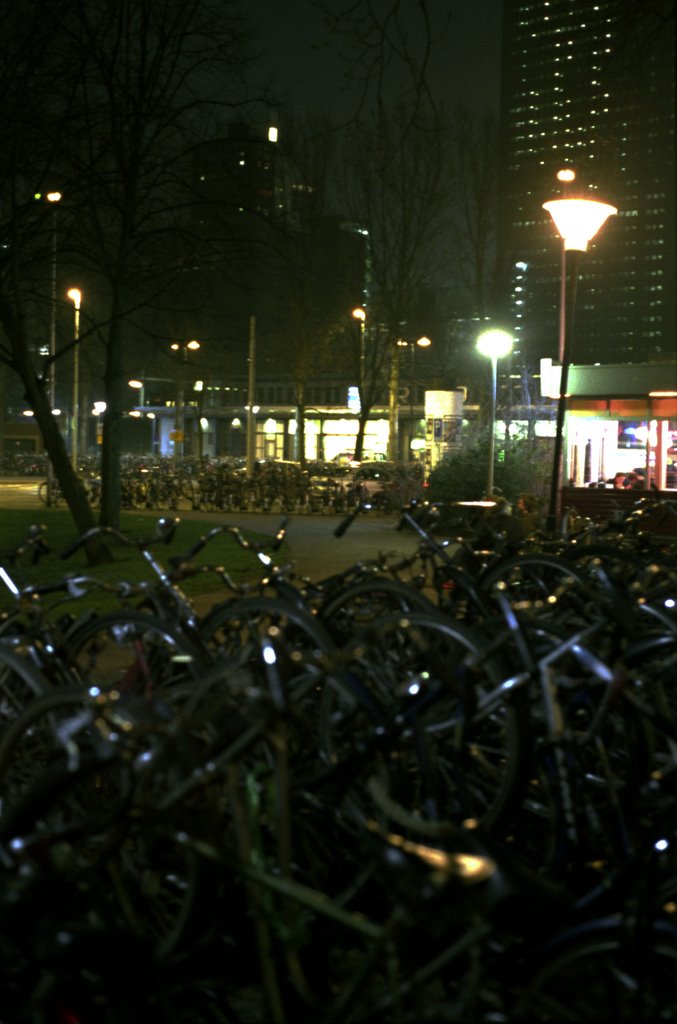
(361, 315)
(251, 407)
(54, 198)
(179, 418)
(577, 222)
(423, 342)
(75, 295)
(494, 344)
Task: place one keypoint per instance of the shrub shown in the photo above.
(521, 465)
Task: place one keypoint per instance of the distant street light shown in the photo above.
(493, 344)
(394, 394)
(577, 222)
(361, 316)
(251, 407)
(55, 199)
(180, 417)
(422, 342)
(75, 295)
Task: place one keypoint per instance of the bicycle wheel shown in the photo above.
(421, 679)
(68, 777)
(20, 682)
(132, 652)
(238, 628)
(549, 583)
(606, 972)
(40, 740)
(578, 805)
(357, 605)
(49, 495)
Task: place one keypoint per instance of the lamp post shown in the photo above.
(577, 222)
(75, 295)
(361, 316)
(251, 398)
(494, 344)
(55, 199)
(98, 409)
(422, 342)
(394, 402)
(180, 416)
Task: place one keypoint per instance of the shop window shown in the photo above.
(632, 435)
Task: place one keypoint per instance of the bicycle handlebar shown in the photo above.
(350, 518)
(35, 542)
(164, 532)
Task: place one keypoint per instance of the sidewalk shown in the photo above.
(312, 548)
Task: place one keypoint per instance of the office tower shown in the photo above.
(590, 85)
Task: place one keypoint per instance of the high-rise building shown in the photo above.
(589, 85)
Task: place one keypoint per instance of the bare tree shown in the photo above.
(472, 168)
(395, 188)
(150, 68)
(36, 92)
(102, 102)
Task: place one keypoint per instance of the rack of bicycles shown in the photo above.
(442, 790)
(223, 485)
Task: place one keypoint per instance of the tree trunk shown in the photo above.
(111, 449)
(71, 486)
(359, 437)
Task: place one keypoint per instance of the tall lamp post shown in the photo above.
(493, 344)
(75, 295)
(394, 403)
(361, 316)
(251, 398)
(180, 416)
(577, 222)
(423, 342)
(54, 198)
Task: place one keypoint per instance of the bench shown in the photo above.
(601, 503)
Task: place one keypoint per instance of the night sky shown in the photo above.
(311, 72)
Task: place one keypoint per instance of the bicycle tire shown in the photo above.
(20, 682)
(355, 607)
(477, 760)
(28, 743)
(44, 493)
(132, 651)
(605, 773)
(230, 627)
(538, 578)
(155, 875)
(604, 973)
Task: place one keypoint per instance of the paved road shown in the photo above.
(314, 550)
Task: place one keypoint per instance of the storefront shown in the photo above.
(620, 419)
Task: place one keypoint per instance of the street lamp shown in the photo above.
(394, 394)
(493, 344)
(252, 408)
(75, 295)
(423, 342)
(577, 222)
(361, 316)
(179, 418)
(55, 199)
(98, 409)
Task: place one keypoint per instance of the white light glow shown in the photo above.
(578, 220)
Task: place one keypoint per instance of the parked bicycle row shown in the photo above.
(225, 486)
(370, 798)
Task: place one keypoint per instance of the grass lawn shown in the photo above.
(128, 563)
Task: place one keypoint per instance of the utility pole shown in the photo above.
(251, 393)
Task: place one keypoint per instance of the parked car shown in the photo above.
(389, 485)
